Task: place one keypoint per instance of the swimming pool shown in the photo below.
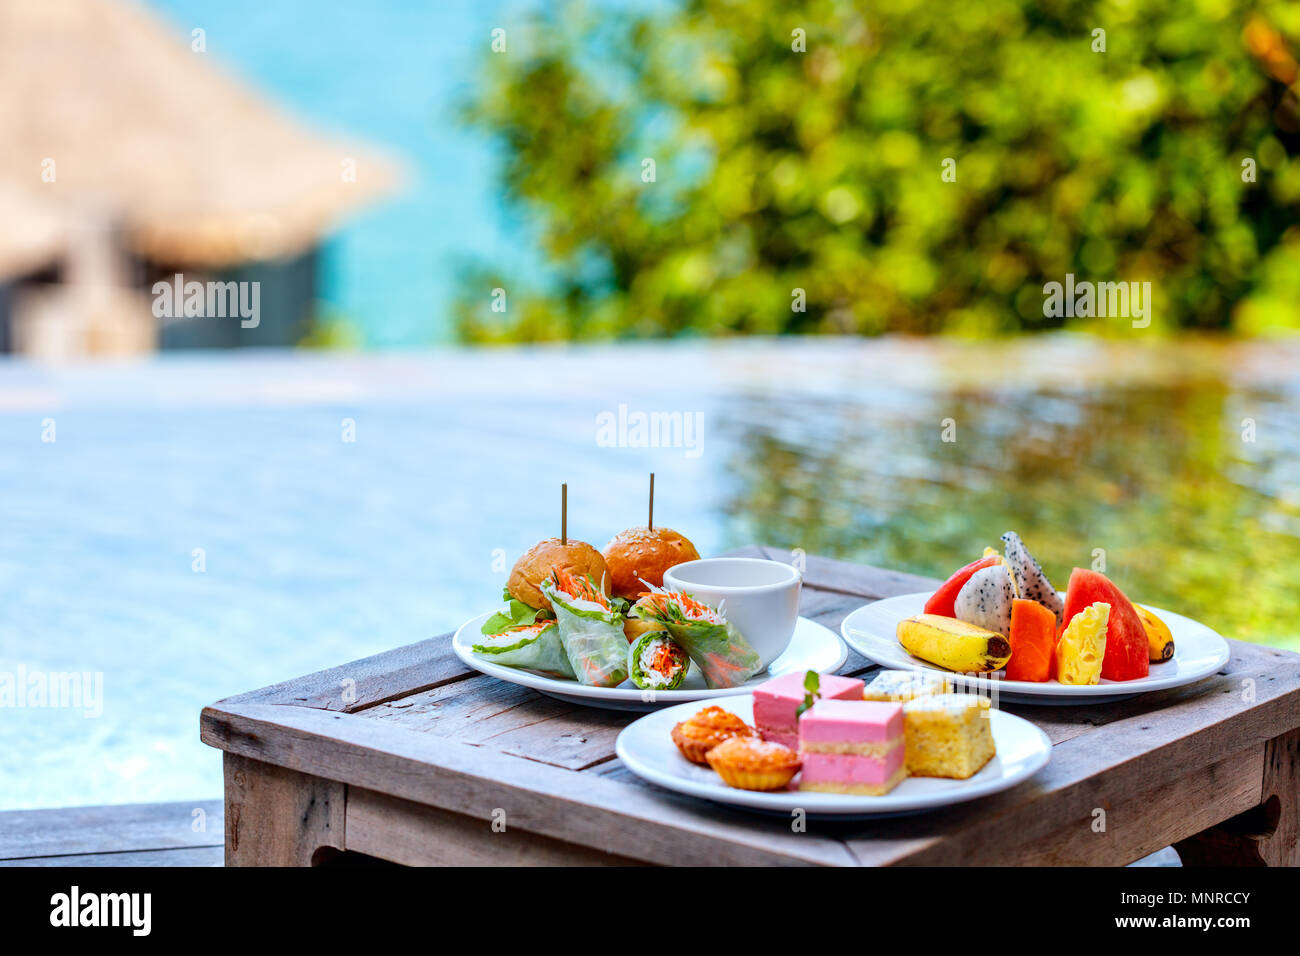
(193, 526)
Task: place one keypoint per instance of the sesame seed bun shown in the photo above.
(576, 557)
(642, 554)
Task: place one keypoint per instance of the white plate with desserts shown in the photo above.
(647, 748)
(1198, 653)
(812, 647)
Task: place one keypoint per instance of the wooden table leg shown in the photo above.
(279, 817)
(1268, 835)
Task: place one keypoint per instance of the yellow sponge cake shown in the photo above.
(947, 735)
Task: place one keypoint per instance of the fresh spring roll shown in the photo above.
(536, 647)
(656, 662)
(718, 649)
(590, 629)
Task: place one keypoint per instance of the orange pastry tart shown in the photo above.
(697, 735)
(749, 763)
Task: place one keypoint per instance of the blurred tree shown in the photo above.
(753, 166)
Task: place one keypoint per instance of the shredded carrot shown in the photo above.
(663, 600)
(665, 658)
(579, 587)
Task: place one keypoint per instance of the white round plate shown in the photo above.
(646, 748)
(1198, 653)
(813, 647)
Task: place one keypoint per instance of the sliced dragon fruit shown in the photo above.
(985, 600)
(1031, 582)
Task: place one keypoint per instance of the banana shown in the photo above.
(953, 644)
(1160, 643)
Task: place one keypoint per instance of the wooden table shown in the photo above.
(410, 757)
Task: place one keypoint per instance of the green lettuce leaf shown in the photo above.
(534, 650)
(514, 614)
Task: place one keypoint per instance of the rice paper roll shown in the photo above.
(591, 630)
(716, 646)
(656, 662)
(535, 647)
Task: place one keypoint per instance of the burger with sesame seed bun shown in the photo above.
(640, 556)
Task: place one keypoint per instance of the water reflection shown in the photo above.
(1187, 488)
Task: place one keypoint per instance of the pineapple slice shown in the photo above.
(1082, 646)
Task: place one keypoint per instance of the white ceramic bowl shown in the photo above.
(760, 597)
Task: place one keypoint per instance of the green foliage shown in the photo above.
(778, 170)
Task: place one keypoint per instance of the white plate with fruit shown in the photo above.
(998, 624)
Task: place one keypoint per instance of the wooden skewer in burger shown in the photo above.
(640, 556)
(540, 562)
(594, 639)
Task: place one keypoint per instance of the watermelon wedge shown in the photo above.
(1126, 639)
(942, 601)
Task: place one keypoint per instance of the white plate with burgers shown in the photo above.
(644, 624)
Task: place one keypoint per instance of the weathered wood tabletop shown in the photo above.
(411, 757)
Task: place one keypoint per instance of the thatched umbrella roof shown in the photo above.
(31, 234)
(199, 169)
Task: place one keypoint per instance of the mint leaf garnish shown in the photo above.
(812, 684)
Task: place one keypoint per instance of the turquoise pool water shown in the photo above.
(315, 549)
(191, 527)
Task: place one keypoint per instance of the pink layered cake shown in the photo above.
(777, 702)
(852, 746)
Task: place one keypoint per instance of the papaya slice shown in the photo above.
(1033, 641)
